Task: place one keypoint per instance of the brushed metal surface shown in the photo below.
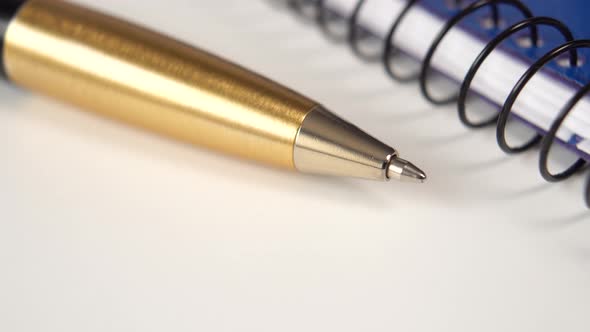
(329, 145)
(129, 73)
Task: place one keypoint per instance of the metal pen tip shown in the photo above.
(405, 171)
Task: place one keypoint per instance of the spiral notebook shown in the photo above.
(526, 56)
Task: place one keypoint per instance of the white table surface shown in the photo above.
(106, 228)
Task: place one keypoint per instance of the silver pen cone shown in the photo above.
(326, 144)
(405, 171)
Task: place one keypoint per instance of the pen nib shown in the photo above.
(404, 170)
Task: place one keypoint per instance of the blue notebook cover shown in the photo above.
(573, 13)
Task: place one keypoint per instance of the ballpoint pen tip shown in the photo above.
(406, 171)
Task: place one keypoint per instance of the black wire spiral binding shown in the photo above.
(355, 34)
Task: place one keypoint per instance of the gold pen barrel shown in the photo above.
(129, 73)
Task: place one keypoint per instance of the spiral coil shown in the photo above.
(317, 11)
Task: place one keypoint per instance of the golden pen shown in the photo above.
(126, 72)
